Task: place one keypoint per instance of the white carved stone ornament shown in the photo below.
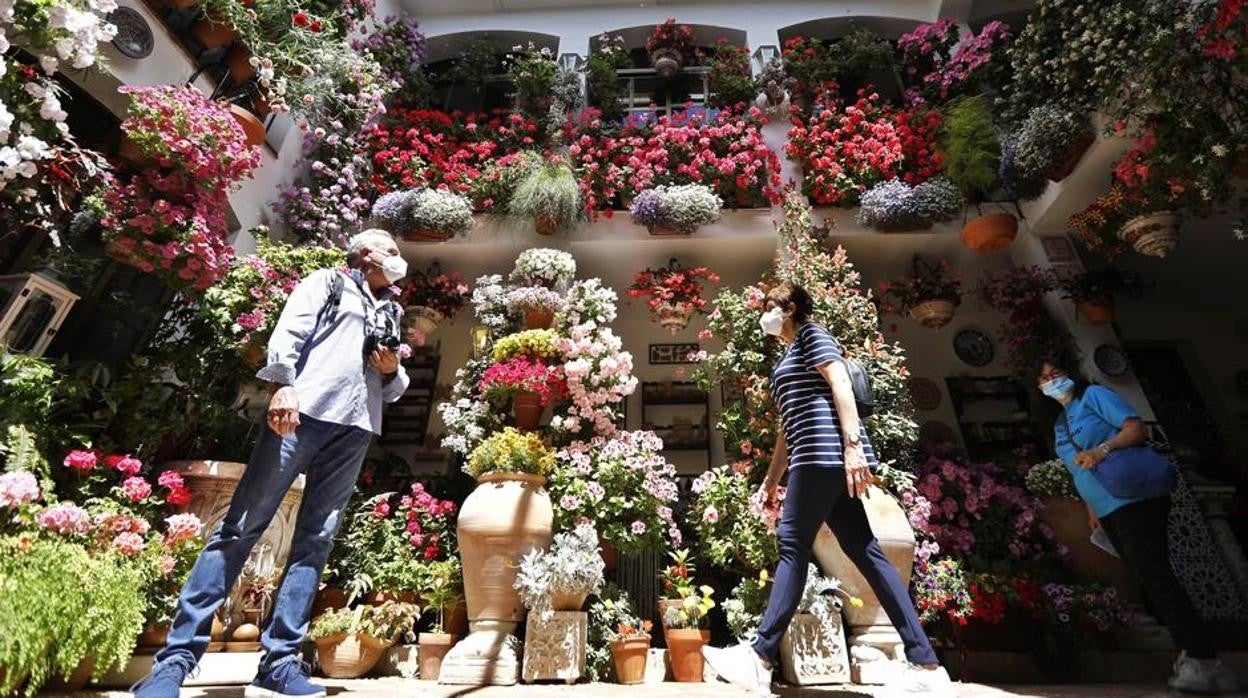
(484, 658)
(554, 649)
(811, 655)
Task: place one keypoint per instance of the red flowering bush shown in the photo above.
(524, 374)
(671, 35)
(672, 284)
(846, 150)
(445, 293)
(394, 542)
(811, 65)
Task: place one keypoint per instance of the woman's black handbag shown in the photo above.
(1137, 472)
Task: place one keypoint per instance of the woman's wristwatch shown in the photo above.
(1105, 449)
(853, 438)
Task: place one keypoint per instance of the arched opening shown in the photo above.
(466, 70)
(868, 57)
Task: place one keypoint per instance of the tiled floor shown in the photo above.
(384, 688)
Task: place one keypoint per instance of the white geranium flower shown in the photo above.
(1220, 150)
(6, 123)
(49, 64)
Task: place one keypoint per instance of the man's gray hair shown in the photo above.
(373, 238)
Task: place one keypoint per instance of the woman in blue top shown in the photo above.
(1095, 422)
(829, 459)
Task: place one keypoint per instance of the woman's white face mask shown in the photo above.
(772, 322)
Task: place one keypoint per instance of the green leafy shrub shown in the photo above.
(549, 195)
(969, 147)
(511, 451)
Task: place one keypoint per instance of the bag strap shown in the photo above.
(332, 301)
(1070, 433)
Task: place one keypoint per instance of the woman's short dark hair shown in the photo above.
(788, 296)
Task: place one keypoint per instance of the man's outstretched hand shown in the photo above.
(283, 414)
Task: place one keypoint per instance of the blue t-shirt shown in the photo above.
(1095, 417)
(812, 430)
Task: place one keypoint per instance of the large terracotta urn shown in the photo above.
(868, 626)
(508, 515)
(1069, 520)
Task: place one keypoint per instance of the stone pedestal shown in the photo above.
(872, 639)
(554, 649)
(485, 658)
(812, 655)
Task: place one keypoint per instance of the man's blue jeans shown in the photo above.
(816, 496)
(330, 456)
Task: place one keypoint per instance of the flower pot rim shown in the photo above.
(435, 638)
(363, 637)
(512, 475)
(632, 640)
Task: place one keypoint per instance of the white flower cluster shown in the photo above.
(466, 419)
(444, 211)
(523, 298)
(544, 266)
(489, 298)
(589, 303)
(572, 566)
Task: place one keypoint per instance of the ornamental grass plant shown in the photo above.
(550, 196)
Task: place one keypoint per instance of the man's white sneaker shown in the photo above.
(1204, 676)
(740, 666)
(915, 680)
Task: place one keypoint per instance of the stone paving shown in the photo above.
(385, 688)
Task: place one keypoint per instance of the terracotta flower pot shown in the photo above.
(209, 33)
(1153, 234)
(568, 602)
(674, 317)
(377, 598)
(426, 235)
(238, 63)
(667, 61)
(545, 225)
(1077, 148)
(684, 646)
(662, 231)
(130, 152)
(245, 638)
(74, 682)
(1069, 520)
(990, 234)
(433, 647)
(610, 556)
(252, 127)
(348, 655)
(933, 314)
(506, 516)
(153, 637)
(1096, 312)
(424, 318)
(629, 657)
(538, 318)
(527, 409)
(329, 599)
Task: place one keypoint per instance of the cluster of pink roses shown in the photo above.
(134, 487)
(599, 376)
(426, 520)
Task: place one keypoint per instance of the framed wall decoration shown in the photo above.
(1058, 249)
(673, 353)
(1111, 361)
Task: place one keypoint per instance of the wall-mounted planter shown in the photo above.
(1153, 234)
(990, 234)
(209, 33)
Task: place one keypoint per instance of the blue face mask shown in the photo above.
(1058, 388)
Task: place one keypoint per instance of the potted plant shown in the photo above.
(350, 641)
(675, 210)
(971, 153)
(1049, 143)
(775, 81)
(731, 78)
(1093, 292)
(669, 45)
(602, 75)
(424, 214)
(537, 304)
(674, 292)
(810, 65)
(630, 649)
(561, 578)
(430, 297)
(533, 73)
(895, 206)
(544, 267)
(930, 294)
(442, 588)
(523, 371)
(684, 626)
(1144, 219)
(550, 196)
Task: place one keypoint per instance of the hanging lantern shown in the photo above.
(32, 308)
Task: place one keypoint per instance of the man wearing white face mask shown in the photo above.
(332, 361)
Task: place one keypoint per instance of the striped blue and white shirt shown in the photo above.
(812, 430)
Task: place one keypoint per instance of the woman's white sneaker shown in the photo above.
(1203, 676)
(919, 681)
(740, 666)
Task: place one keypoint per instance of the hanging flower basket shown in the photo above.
(1096, 312)
(675, 317)
(425, 319)
(1080, 146)
(348, 655)
(933, 314)
(990, 234)
(667, 61)
(527, 409)
(1154, 234)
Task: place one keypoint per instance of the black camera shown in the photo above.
(386, 335)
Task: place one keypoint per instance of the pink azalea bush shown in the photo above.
(940, 63)
(65, 519)
(623, 485)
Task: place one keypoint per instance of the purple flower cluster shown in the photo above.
(648, 209)
(1099, 605)
(398, 46)
(327, 205)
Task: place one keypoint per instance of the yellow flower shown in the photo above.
(763, 577)
(855, 602)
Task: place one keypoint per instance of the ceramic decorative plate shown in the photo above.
(134, 36)
(925, 393)
(1111, 360)
(973, 347)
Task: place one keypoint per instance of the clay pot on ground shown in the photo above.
(399, 660)
(238, 63)
(1153, 234)
(629, 657)
(684, 647)
(933, 314)
(674, 317)
(1077, 148)
(990, 234)
(348, 655)
(433, 648)
(568, 602)
(329, 599)
(538, 318)
(152, 638)
(667, 61)
(545, 225)
(527, 409)
(216, 641)
(506, 516)
(1096, 312)
(74, 682)
(1069, 520)
(252, 127)
(210, 33)
(424, 318)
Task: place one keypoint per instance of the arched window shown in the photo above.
(467, 70)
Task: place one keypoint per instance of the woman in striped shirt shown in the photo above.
(829, 459)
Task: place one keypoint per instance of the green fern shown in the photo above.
(970, 147)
